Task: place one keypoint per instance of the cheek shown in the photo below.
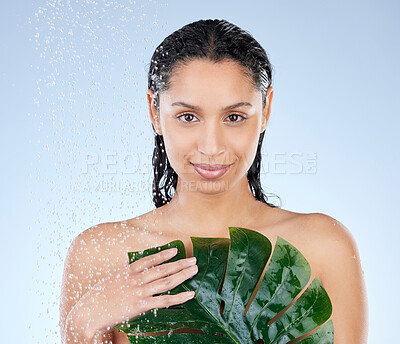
(178, 146)
(245, 142)
(244, 145)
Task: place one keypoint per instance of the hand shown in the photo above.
(129, 292)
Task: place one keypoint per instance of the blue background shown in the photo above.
(76, 139)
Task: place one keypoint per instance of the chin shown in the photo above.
(209, 187)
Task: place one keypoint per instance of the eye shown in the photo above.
(187, 116)
(235, 116)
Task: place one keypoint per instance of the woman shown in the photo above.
(209, 95)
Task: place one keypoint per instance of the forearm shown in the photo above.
(75, 331)
(74, 335)
(81, 326)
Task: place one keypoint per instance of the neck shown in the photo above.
(203, 214)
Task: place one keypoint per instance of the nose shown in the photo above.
(211, 141)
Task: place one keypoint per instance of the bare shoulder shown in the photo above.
(105, 237)
(328, 232)
(93, 254)
(109, 242)
(327, 236)
(96, 252)
(329, 244)
(97, 242)
(316, 228)
(322, 239)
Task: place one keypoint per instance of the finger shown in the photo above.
(153, 259)
(163, 301)
(167, 283)
(163, 270)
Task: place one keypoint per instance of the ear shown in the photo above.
(267, 108)
(154, 115)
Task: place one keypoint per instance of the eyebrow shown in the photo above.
(230, 107)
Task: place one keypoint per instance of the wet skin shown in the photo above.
(210, 133)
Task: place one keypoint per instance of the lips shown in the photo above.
(210, 167)
(211, 171)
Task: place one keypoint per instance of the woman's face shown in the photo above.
(210, 114)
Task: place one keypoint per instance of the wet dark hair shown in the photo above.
(214, 40)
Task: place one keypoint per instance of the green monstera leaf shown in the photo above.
(217, 312)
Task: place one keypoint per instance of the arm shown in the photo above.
(343, 278)
(82, 271)
(98, 292)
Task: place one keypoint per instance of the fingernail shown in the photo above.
(191, 260)
(173, 250)
(193, 268)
